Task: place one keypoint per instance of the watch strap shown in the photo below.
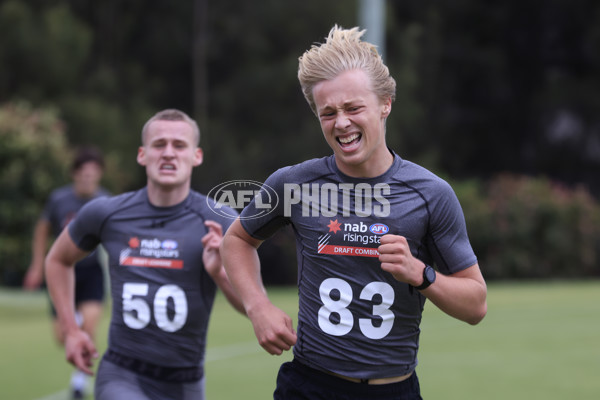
(426, 281)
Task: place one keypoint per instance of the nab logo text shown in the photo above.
(238, 194)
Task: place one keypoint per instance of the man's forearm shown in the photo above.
(222, 281)
(60, 280)
(243, 269)
(462, 295)
(39, 244)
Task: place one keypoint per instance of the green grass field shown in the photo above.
(538, 341)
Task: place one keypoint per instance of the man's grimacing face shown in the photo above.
(169, 153)
(353, 118)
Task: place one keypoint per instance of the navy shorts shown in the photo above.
(89, 281)
(297, 381)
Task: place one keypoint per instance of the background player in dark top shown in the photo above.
(62, 205)
(368, 227)
(164, 262)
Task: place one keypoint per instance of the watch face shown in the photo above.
(430, 272)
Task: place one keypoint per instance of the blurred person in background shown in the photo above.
(369, 228)
(163, 245)
(62, 206)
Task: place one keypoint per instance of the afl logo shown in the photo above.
(379, 229)
(238, 194)
(169, 244)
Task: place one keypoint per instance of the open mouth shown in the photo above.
(167, 167)
(350, 140)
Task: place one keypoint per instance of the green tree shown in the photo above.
(34, 158)
(43, 51)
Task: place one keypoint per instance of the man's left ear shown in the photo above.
(198, 157)
(387, 108)
(140, 156)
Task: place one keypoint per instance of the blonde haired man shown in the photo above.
(369, 227)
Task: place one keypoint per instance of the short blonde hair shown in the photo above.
(172, 114)
(343, 51)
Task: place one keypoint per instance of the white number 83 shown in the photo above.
(346, 319)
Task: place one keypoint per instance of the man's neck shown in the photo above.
(167, 197)
(84, 193)
(374, 167)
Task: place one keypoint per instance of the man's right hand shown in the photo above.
(33, 278)
(80, 350)
(273, 328)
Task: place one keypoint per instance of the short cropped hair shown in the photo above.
(172, 114)
(344, 51)
(85, 155)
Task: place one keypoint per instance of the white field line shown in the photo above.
(232, 351)
(212, 354)
(62, 395)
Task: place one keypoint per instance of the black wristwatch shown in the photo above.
(428, 278)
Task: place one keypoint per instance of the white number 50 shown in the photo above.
(137, 313)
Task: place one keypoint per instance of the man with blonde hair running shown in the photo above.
(376, 236)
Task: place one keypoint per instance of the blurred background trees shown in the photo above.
(501, 98)
(33, 161)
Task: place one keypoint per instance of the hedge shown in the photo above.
(527, 227)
